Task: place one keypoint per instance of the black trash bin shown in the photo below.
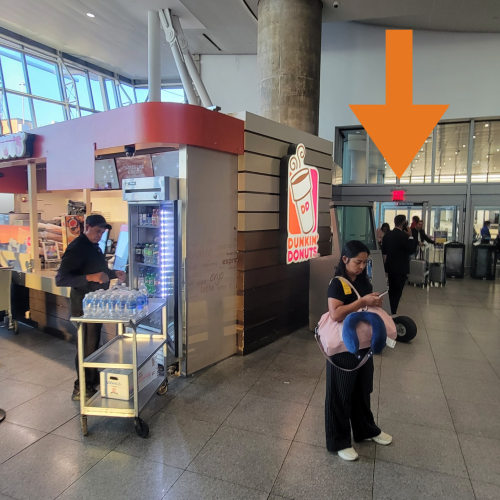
(484, 262)
(454, 260)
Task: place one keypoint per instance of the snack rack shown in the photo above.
(126, 351)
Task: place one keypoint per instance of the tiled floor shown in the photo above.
(252, 428)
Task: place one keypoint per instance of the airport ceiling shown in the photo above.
(116, 38)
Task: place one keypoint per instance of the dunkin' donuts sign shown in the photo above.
(18, 145)
(302, 217)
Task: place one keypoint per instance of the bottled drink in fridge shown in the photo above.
(140, 279)
(149, 219)
(156, 255)
(138, 252)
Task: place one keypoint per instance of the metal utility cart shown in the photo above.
(126, 351)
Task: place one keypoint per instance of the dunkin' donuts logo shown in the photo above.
(303, 184)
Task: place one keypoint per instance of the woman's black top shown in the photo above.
(340, 291)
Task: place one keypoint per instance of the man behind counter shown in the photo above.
(84, 269)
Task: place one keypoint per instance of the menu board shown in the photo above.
(134, 167)
(105, 175)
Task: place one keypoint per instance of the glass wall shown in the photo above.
(39, 88)
(450, 165)
(486, 157)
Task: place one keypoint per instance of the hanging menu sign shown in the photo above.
(19, 145)
(134, 167)
(302, 208)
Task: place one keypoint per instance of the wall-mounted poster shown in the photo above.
(50, 250)
(134, 167)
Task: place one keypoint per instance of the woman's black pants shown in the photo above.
(347, 402)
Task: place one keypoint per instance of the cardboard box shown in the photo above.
(119, 384)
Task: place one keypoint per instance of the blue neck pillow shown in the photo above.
(350, 337)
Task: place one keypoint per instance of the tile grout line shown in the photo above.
(221, 424)
(451, 416)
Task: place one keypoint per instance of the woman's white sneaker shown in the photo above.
(348, 454)
(383, 439)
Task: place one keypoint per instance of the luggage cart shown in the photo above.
(6, 298)
(126, 351)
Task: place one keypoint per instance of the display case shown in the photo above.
(154, 250)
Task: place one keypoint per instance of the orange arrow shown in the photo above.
(399, 127)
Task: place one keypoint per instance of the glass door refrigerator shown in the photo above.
(154, 213)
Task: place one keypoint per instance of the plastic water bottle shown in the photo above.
(131, 306)
(103, 305)
(113, 311)
(122, 306)
(93, 305)
(87, 301)
(144, 292)
(141, 303)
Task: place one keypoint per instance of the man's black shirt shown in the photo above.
(81, 258)
(398, 247)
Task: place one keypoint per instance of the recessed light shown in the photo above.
(473, 136)
(456, 152)
(486, 125)
(89, 14)
(463, 145)
(357, 131)
(444, 163)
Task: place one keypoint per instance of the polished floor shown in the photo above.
(252, 428)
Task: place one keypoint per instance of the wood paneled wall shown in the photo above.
(273, 297)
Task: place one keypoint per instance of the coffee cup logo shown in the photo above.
(303, 185)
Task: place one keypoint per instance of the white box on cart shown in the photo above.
(119, 384)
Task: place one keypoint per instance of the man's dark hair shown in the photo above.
(399, 220)
(416, 219)
(487, 223)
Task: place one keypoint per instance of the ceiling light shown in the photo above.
(463, 145)
(473, 136)
(419, 156)
(478, 161)
(89, 14)
(358, 132)
(486, 125)
(444, 163)
(449, 159)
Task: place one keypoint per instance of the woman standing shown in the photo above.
(348, 392)
(384, 229)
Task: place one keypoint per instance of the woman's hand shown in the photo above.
(372, 300)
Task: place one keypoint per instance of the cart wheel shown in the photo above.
(141, 428)
(83, 419)
(406, 328)
(163, 388)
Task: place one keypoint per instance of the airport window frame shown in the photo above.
(124, 90)
(464, 177)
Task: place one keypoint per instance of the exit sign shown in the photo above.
(398, 195)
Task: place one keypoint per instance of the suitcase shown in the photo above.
(419, 271)
(437, 272)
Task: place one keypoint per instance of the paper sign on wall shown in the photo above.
(302, 209)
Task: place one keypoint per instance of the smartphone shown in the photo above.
(385, 293)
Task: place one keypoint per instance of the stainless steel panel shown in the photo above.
(119, 351)
(152, 189)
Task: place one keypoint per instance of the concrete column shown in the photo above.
(154, 57)
(289, 56)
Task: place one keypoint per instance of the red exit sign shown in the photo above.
(398, 195)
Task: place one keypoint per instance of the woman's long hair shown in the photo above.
(385, 224)
(351, 250)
